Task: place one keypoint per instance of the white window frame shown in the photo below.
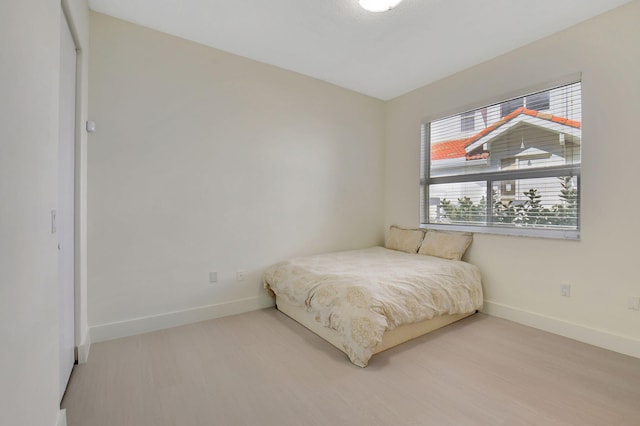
(573, 170)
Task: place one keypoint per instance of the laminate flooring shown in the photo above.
(262, 368)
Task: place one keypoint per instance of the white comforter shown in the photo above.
(363, 293)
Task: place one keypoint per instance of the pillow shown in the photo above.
(407, 240)
(448, 245)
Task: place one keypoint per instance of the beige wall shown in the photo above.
(205, 161)
(29, 83)
(522, 276)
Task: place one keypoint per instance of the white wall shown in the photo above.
(205, 161)
(522, 276)
(29, 83)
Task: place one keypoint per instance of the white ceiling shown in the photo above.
(383, 55)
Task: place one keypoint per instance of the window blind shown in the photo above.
(513, 165)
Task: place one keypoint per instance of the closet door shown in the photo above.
(65, 216)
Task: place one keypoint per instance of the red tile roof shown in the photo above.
(456, 148)
(449, 149)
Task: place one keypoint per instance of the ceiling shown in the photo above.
(383, 55)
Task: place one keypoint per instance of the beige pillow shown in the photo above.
(407, 240)
(448, 245)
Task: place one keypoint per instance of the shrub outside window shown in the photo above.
(517, 173)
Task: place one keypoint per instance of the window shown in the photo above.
(520, 174)
(508, 107)
(537, 101)
(467, 122)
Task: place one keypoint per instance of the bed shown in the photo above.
(366, 301)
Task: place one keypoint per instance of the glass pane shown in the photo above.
(540, 203)
(538, 101)
(508, 107)
(458, 203)
(467, 122)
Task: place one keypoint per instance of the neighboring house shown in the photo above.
(532, 132)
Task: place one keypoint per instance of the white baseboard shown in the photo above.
(134, 326)
(62, 418)
(603, 339)
(84, 347)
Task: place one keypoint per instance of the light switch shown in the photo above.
(54, 227)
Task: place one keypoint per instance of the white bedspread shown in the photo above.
(363, 293)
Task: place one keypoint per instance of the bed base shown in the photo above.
(390, 338)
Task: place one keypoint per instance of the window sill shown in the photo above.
(560, 234)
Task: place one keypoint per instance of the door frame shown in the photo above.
(67, 225)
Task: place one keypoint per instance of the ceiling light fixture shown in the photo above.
(379, 5)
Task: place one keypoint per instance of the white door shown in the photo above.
(66, 189)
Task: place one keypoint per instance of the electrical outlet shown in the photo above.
(240, 275)
(634, 303)
(565, 290)
(213, 277)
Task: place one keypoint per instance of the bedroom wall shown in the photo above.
(206, 161)
(522, 276)
(29, 83)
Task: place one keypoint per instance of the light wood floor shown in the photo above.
(262, 368)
